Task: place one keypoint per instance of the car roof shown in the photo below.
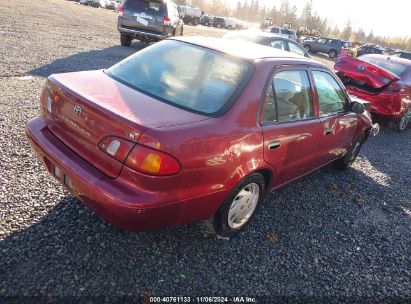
(260, 34)
(403, 61)
(242, 49)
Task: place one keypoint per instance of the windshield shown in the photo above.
(184, 75)
(393, 67)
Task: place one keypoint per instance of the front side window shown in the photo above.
(205, 83)
(279, 44)
(331, 97)
(294, 48)
(289, 98)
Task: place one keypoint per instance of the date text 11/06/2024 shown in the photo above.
(237, 299)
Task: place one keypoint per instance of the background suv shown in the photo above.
(290, 34)
(329, 46)
(148, 21)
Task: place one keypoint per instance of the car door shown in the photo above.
(339, 124)
(321, 45)
(291, 128)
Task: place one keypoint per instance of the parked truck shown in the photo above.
(191, 15)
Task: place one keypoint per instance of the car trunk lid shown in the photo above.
(360, 73)
(89, 106)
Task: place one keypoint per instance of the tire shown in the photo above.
(348, 159)
(125, 40)
(332, 53)
(307, 48)
(247, 197)
(403, 123)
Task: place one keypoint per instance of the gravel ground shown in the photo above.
(329, 236)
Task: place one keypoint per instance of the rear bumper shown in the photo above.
(389, 107)
(141, 33)
(116, 200)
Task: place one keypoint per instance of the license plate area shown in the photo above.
(62, 177)
(141, 20)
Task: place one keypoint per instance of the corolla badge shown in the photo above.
(361, 68)
(77, 110)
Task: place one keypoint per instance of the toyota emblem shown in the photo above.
(77, 110)
(361, 68)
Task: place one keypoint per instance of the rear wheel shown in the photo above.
(125, 40)
(239, 208)
(403, 123)
(348, 159)
(332, 53)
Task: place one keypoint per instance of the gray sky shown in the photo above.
(385, 18)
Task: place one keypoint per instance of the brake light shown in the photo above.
(152, 161)
(116, 147)
(167, 20)
(120, 10)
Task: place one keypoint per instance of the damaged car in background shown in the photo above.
(382, 80)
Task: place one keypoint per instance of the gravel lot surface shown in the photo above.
(331, 235)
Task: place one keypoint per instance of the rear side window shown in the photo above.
(275, 30)
(294, 48)
(286, 32)
(331, 97)
(279, 44)
(205, 82)
(148, 7)
(288, 97)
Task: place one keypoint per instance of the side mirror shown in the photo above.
(357, 107)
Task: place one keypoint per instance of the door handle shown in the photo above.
(274, 145)
(328, 131)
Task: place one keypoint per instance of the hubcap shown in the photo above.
(355, 151)
(405, 120)
(243, 205)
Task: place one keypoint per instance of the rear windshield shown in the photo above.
(287, 32)
(148, 7)
(184, 75)
(393, 67)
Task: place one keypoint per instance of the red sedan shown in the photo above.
(191, 129)
(383, 81)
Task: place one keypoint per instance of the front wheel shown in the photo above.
(332, 54)
(307, 48)
(348, 159)
(125, 40)
(403, 123)
(239, 208)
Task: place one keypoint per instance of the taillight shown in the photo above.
(152, 161)
(167, 20)
(116, 147)
(120, 10)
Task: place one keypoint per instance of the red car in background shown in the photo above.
(382, 80)
(194, 128)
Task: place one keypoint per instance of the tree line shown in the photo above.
(252, 11)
